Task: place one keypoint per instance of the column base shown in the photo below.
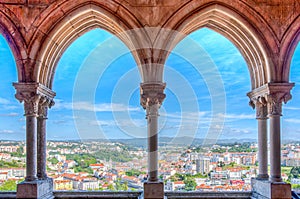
(153, 190)
(264, 189)
(39, 189)
(262, 177)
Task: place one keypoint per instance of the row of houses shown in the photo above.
(71, 181)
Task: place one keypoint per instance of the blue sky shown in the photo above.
(97, 90)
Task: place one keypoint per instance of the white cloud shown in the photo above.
(4, 101)
(297, 121)
(239, 116)
(9, 115)
(6, 131)
(186, 115)
(292, 108)
(87, 106)
(121, 123)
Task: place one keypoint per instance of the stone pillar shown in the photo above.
(32, 94)
(152, 97)
(274, 112)
(273, 95)
(152, 120)
(30, 100)
(44, 103)
(261, 115)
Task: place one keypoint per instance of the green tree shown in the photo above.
(190, 184)
(221, 164)
(134, 172)
(295, 172)
(111, 187)
(125, 186)
(9, 185)
(53, 160)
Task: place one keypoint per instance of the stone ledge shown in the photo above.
(153, 190)
(264, 189)
(200, 194)
(97, 194)
(40, 189)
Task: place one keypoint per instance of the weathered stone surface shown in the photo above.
(264, 189)
(40, 189)
(153, 190)
(271, 26)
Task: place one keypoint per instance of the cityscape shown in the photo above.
(116, 166)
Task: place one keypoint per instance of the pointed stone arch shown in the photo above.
(226, 21)
(290, 41)
(55, 40)
(14, 39)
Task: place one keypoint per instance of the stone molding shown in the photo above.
(270, 96)
(36, 97)
(152, 94)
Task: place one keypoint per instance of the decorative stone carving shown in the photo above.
(45, 103)
(275, 102)
(36, 97)
(271, 95)
(152, 94)
(260, 104)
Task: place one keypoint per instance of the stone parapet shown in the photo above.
(153, 190)
(264, 189)
(39, 189)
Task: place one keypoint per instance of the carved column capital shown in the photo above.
(275, 101)
(34, 96)
(271, 95)
(152, 94)
(260, 104)
(44, 103)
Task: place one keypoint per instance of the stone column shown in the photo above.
(258, 102)
(152, 97)
(277, 94)
(152, 120)
(30, 100)
(261, 115)
(274, 112)
(36, 98)
(271, 95)
(44, 104)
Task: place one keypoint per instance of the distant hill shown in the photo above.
(181, 141)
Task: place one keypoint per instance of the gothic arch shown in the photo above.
(14, 39)
(226, 21)
(69, 27)
(290, 42)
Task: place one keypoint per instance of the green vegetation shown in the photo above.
(53, 160)
(9, 185)
(218, 150)
(190, 184)
(188, 179)
(134, 172)
(199, 175)
(245, 147)
(83, 162)
(295, 172)
(286, 170)
(119, 186)
(295, 186)
(13, 164)
(114, 155)
(20, 153)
